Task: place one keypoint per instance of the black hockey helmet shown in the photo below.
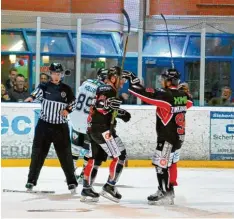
(171, 75)
(56, 67)
(102, 74)
(114, 71)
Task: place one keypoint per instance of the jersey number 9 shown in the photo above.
(180, 121)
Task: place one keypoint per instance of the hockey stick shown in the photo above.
(115, 112)
(169, 43)
(31, 192)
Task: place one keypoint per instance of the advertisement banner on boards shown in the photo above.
(221, 135)
(18, 122)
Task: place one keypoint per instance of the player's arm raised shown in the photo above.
(148, 95)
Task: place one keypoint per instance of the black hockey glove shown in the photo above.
(124, 115)
(113, 103)
(133, 79)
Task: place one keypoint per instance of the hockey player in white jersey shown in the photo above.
(79, 138)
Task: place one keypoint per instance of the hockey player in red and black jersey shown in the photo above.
(172, 104)
(102, 146)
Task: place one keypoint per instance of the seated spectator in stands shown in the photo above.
(19, 93)
(4, 95)
(44, 78)
(123, 97)
(11, 81)
(224, 100)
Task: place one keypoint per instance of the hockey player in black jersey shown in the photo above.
(172, 104)
(102, 144)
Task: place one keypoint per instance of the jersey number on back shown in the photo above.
(180, 121)
(84, 103)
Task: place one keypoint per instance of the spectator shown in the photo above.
(224, 100)
(44, 78)
(124, 97)
(4, 95)
(11, 81)
(19, 93)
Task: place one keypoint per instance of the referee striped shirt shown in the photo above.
(54, 99)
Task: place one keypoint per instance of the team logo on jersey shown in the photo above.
(107, 136)
(163, 162)
(63, 94)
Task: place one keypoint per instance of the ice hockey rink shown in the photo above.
(202, 193)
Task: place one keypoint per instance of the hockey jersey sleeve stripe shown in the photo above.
(71, 106)
(189, 104)
(158, 103)
(37, 94)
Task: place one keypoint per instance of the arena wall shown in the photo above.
(209, 135)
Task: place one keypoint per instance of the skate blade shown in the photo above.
(162, 202)
(73, 191)
(108, 196)
(29, 191)
(89, 199)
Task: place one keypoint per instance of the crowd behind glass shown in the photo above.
(15, 89)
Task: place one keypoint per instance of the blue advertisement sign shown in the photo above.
(221, 135)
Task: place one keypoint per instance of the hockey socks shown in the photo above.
(115, 169)
(163, 179)
(173, 174)
(90, 173)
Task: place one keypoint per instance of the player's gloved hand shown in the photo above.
(133, 79)
(185, 88)
(113, 103)
(124, 115)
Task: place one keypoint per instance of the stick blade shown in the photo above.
(127, 18)
(29, 192)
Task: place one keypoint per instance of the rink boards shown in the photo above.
(129, 163)
(209, 135)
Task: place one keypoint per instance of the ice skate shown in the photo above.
(161, 198)
(110, 192)
(72, 188)
(29, 187)
(89, 195)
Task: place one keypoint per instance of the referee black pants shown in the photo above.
(45, 134)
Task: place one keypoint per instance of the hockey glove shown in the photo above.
(133, 79)
(124, 115)
(112, 103)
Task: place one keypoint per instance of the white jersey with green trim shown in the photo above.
(85, 95)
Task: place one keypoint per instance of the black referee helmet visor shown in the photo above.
(56, 67)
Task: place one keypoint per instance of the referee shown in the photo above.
(57, 100)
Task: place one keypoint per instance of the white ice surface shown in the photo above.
(202, 193)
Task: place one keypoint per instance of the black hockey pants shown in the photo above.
(45, 134)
